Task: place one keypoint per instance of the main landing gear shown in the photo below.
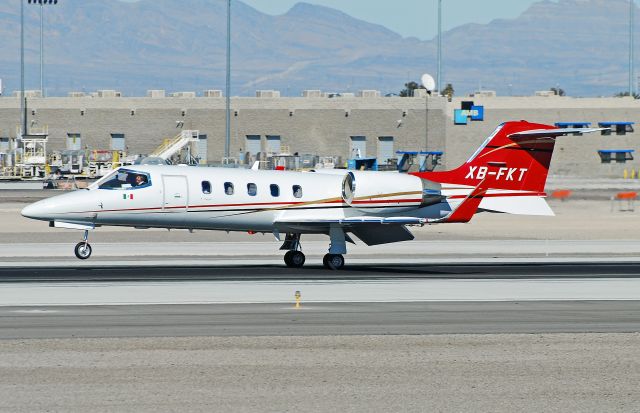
(83, 249)
(334, 260)
(294, 259)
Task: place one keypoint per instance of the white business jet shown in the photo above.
(506, 174)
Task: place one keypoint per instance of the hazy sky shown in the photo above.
(410, 17)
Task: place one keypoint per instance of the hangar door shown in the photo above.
(74, 142)
(202, 148)
(273, 144)
(385, 148)
(253, 144)
(117, 142)
(358, 147)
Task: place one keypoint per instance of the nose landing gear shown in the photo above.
(83, 248)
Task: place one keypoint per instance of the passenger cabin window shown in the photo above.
(228, 188)
(252, 189)
(125, 179)
(297, 191)
(275, 190)
(206, 187)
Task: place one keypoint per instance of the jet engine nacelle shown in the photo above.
(382, 192)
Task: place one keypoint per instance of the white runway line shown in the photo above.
(218, 292)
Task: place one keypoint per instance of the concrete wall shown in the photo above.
(307, 125)
(574, 155)
(323, 126)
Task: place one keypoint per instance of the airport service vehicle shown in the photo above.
(506, 174)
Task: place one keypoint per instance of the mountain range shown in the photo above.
(578, 45)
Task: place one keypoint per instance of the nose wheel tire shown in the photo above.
(333, 261)
(294, 259)
(83, 250)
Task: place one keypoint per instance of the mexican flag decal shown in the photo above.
(127, 196)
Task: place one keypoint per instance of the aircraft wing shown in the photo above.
(355, 221)
(370, 229)
(374, 230)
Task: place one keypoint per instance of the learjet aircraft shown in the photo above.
(507, 174)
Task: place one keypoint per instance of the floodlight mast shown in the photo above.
(41, 48)
(429, 84)
(631, 32)
(23, 118)
(439, 74)
(227, 141)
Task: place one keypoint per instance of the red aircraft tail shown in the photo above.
(515, 157)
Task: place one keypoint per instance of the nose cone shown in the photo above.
(72, 206)
(37, 210)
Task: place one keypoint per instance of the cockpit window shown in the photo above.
(125, 179)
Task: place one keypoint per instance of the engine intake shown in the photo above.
(388, 192)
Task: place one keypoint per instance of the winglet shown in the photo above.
(467, 208)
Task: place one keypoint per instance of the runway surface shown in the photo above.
(256, 300)
(326, 319)
(378, 270)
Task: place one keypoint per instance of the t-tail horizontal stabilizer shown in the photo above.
(467, 208)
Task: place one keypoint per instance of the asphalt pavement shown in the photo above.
(481, 270)
(325, 319)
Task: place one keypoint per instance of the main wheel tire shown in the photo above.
(296, 259)
(287, 258)
(333, 261)
(83, 250)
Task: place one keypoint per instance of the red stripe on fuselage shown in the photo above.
(260, 204)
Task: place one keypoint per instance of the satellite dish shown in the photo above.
(428, 82)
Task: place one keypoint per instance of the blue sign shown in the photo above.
(468, 111)
(460, 117)
(477, 113)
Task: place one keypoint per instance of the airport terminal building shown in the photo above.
(347, 125)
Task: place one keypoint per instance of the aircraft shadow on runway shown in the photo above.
(352, 272)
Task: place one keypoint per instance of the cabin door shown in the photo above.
(175, 193)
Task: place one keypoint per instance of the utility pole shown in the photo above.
(439, 74)
(227, 141)
(631, 24)
(23, 119)
(41, 49)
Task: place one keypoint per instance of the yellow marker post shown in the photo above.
(298, 297)
(625, 174)
(633, 173)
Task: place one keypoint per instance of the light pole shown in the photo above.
(42, 4)
(439, 74)
(631, 24)
(429, 84)
(23, 119)
(227, 141)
